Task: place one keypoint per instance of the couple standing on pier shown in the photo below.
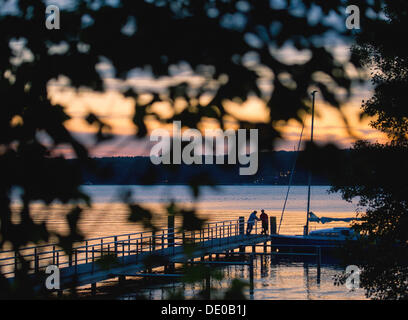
(251, 221)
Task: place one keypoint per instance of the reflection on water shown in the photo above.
(272, 281)
(108, 216)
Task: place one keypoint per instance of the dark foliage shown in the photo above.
(379, 48)
(376, 174)
(229, 45)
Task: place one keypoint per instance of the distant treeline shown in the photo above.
(274, 169)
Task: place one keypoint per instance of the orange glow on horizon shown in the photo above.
(117, 111)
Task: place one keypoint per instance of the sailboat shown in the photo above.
(331, 236)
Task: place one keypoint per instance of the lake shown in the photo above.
(275, 280)
(108, 215)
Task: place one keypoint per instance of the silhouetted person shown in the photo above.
(264, 219)
(251, 221)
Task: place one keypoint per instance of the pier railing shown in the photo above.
(90, 250)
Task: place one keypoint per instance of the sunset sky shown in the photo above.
(117, 111)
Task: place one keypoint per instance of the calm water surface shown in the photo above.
(108, 216)
(273, 279)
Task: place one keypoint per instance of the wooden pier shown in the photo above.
(132, 253)
(137, 254)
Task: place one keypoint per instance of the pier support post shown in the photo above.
(241, 225)
(170, 231)
(122, 280)
(319, 262)
(241, 222)
(272, 225)
(170, 238)
(251, 274)
(263, 265)
(272, 230)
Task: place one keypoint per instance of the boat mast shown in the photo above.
(306, 229)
